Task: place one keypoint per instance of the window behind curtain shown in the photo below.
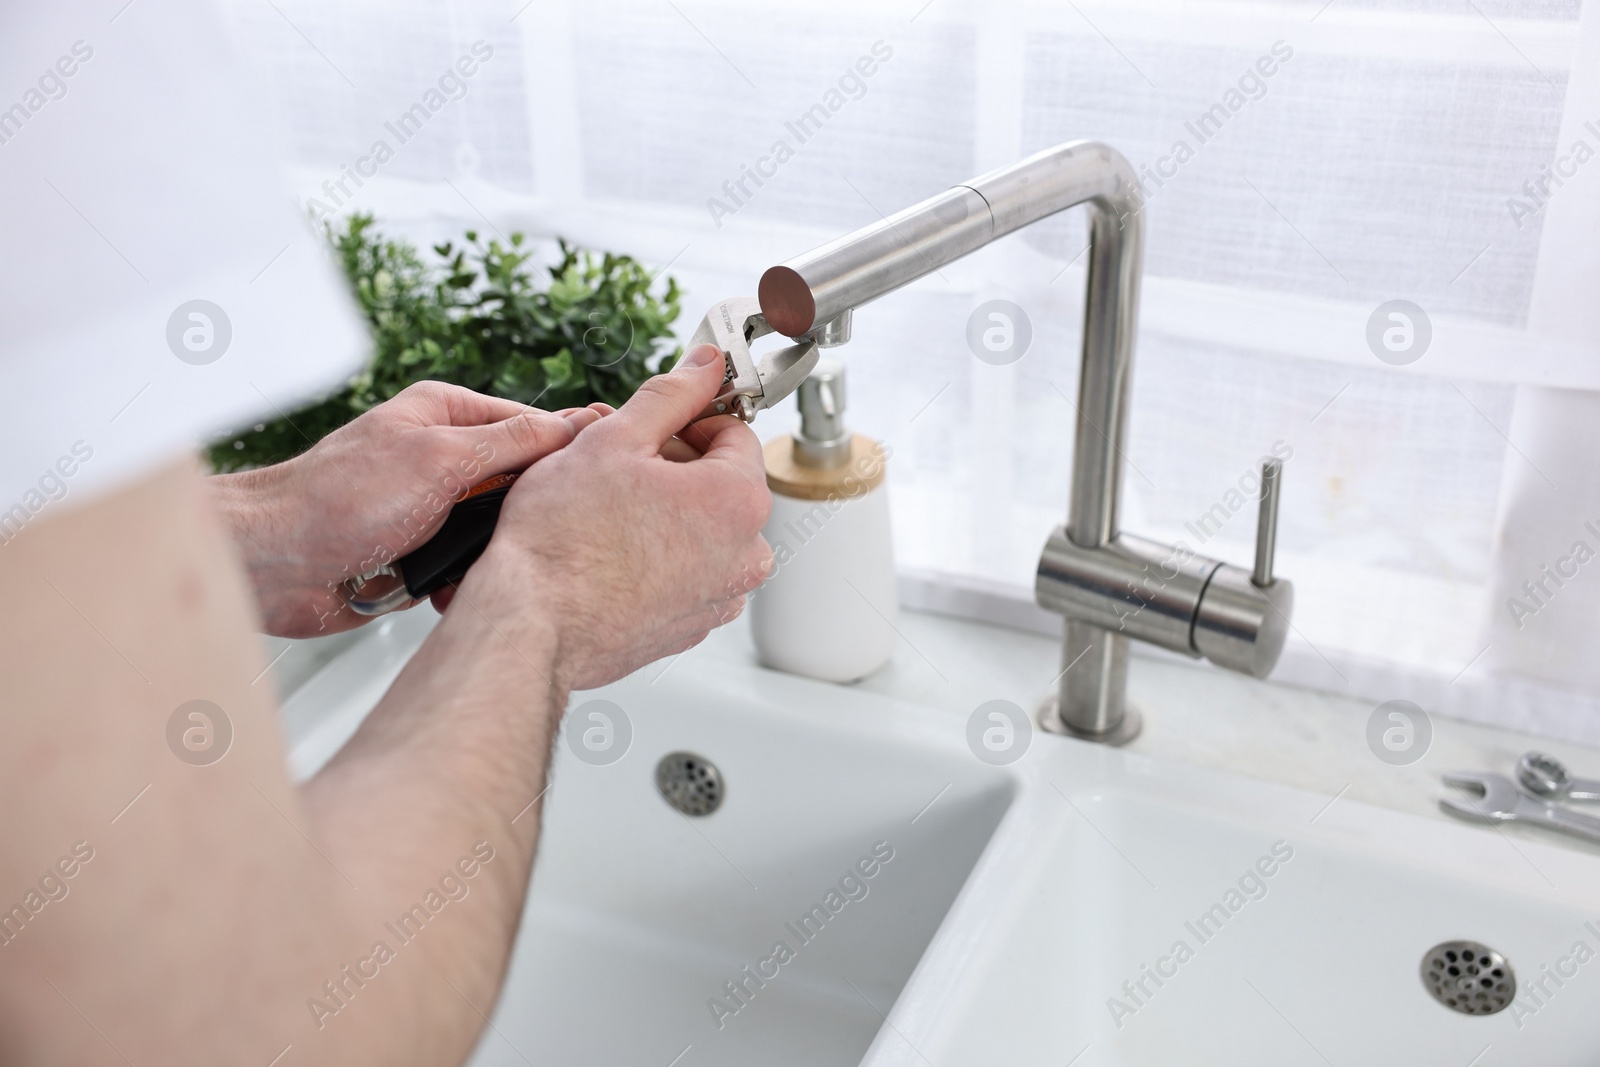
(1394, 152)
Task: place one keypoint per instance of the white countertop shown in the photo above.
(1193, 713)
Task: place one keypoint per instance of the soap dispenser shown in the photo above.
(831, 606)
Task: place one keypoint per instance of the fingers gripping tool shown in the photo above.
(748, 386)
(442, 560)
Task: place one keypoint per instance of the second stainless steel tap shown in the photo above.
(1110, 586)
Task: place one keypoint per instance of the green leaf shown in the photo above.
(475, 316)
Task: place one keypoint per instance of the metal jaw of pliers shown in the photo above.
(748, 386)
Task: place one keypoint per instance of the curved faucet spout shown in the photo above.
(1111, 587)
(803, 295)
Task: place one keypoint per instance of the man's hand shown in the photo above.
(624, 545)
(639, 538)
(373, 491)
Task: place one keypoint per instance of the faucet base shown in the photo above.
(1049, 717)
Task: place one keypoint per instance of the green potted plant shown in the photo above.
(478, 316)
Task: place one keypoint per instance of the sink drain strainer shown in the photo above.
(690, 783)
(1468, 977)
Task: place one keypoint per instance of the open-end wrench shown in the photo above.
(1494, 798)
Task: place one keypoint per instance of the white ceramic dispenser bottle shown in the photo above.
(830, 609)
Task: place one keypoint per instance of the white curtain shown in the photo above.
(1335, 157)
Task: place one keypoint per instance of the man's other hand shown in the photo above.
(372, 491)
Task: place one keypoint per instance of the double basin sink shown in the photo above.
(869, 891)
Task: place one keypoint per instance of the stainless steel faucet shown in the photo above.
(1110, 586)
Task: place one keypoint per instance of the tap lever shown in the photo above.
(1267, 523)
(1242, 619)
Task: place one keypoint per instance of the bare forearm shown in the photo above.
(367, 916)
(434, 802)
(257, 511)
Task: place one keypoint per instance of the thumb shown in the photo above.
(667, 403)
(517, 443)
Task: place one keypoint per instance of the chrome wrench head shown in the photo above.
(1494, 798)
(749, 387)
(1548, 778)
(1489, 797)
(1543, 776)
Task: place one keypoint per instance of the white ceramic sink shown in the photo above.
(640, 915)
(1017, 904)
(1113, 860)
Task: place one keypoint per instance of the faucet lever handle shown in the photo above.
(1242, 619)
(1267, 523)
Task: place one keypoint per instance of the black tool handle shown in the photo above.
(444, 558)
